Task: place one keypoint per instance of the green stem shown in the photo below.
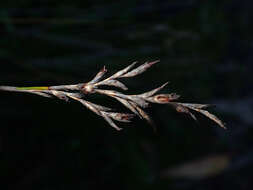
(33, 88)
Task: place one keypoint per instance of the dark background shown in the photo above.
(205, 48)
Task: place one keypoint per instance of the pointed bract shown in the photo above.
(112, 82)
(109, 120)
(120, 73)
(152, 92)
(139, 70)
(99, 75)
(122, 117)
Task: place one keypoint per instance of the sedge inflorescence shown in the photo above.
(136, 103)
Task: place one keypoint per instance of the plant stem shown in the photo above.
(33, 88)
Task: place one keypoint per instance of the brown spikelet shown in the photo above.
(134, 103)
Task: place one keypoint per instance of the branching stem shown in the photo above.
(135, 103)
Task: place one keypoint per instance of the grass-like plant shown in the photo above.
(135, 103)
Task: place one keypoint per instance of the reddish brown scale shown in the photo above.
(162, 99)
(126, 117)
(182, 109)
(103, 69)
(87, 89)
(123, 117)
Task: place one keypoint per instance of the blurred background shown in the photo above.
(205, 48)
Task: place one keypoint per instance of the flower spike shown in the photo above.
(135, 103)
